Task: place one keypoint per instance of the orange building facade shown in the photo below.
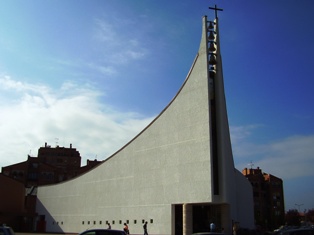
(268, 195)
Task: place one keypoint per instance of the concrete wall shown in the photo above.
(245, 202)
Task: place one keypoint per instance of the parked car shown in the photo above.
(102, 232)
(5, 230)
(298, 231)
(284, 228)
(208, 233)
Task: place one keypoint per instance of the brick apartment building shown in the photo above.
(269, 209)
(52, 165)
(18, 182)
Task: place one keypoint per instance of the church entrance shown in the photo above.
(202, 215)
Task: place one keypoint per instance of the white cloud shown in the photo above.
(290, 157)
(240, 133)
(119, 46)
(104, 31)
(106, 70)
(33, 114)
(242, 147)
(74, 114)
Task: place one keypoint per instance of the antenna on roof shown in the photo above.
(251, 164)
(56, 139)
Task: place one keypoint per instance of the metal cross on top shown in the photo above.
(216, 9)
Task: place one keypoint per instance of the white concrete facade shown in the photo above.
(167, 166)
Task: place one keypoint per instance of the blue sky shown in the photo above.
(95, 73)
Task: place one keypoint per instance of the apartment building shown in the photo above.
(269, 209)
(52, 165)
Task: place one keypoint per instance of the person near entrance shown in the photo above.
(212, 227)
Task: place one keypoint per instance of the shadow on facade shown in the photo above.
(41, 225)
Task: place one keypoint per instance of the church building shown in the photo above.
(177, 174)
